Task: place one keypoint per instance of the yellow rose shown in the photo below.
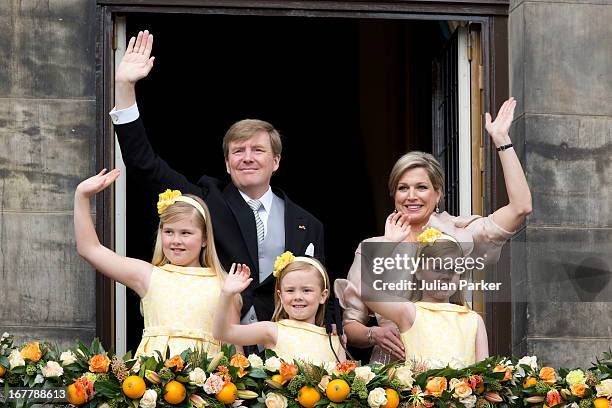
(281, 262)
(579, 390)
(436, 386)
(31, 351)
(175, 362)
(547, 374)
(501, 369)
(99, 363)
(429, 236)
(166, 199)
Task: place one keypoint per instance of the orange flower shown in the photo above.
(579, 390)
(288, 371)
(547, 374)
(99, 363)
(436, 385)
(223, 372)
(31, 351)
(175, 362)
(501, 369)
(240, 361)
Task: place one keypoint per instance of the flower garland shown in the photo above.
(93, 377)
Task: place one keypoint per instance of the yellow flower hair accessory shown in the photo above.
(281, 262)
(287, 257)
(169, 197)
(166, 199)
(429, 236)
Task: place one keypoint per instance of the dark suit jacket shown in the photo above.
(233, 220)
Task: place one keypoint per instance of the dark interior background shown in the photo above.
(349, 97)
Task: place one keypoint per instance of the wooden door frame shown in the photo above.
(491, 14)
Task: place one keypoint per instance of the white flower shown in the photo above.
(255, 361)
(469, 402)
(67, 357)
(15, 359)
(39, 379)
(52, 369)
(5, 335)
(405, 377)
(529, 361)
(272, 364)
(377, 397)
(136, 367)
(4, 346)
(605, 388)
(237, 403)
(149, 399)
(104, 405)
(197, 377)
(274, 400)
(365, 373)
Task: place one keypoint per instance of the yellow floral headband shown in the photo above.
(169, 197)
(287, 257)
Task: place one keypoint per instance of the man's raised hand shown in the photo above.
(137, 61)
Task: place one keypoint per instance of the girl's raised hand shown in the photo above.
(498, 128)
(238, 279)
(97, 183)
(397, 227)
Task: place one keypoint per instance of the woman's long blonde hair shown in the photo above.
(179, 210)
(279, 312)
(440, 248)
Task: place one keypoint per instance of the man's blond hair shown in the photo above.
(246, 128)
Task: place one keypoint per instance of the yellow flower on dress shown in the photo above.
(166, 199)
(429, 236)
(281, 262)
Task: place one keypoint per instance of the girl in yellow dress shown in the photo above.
(436, 325)
(179, 289)
(295, 332)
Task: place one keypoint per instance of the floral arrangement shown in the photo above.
(429, 236)
(93, 377)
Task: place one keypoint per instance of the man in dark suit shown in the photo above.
(253, 222)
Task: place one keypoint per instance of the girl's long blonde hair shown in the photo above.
(279, 312)
(440, 248)
(178, 210)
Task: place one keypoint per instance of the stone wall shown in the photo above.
(560, 53)
(47, 134)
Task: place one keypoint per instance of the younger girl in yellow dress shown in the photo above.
(180, 288)
(436, 325)
(302, 288)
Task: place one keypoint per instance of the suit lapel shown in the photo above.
(295, 226)
(244, 216)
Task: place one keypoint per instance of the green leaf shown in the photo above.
(258, 373)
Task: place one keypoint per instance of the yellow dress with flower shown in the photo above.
(178, 310)
(442, 333)
(304, 341)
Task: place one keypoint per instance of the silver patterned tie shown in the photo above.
(255, 204)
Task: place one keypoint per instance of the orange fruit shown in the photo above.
(529, 381)
(601, 402)
(228, 393)
(308, 396)
(337, 390)
(278, 379)
(2, 371)
(175, 392)
(133, 387)
(392, 398)
(76, 396)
